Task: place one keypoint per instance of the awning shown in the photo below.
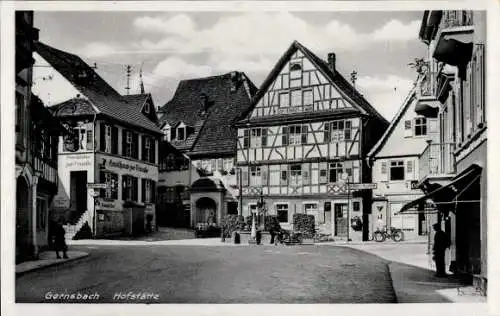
(447, 194)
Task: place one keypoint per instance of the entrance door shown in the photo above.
(328, 216)
(341, 219)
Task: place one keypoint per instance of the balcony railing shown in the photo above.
(428, 84)
(437, 158)
(456, 18)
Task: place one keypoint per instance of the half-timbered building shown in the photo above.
(304, 137)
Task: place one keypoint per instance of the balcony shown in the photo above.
(455, 37)
(437, 162)
(428, 104)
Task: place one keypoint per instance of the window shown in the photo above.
(308, 97)
(284, 177)
(255, 140)
(128, 144)
(107, 138)
(284, 99)
(41, 213)
(408, 129)
(383, 167)
(347, 130)
(181, 133)
(295, 74)
(397, 170)
(335, 172)
(130, 191)
(111, 179)
(312, 209)
(296, 98)
(147, 149)
(337, 131)
(285, 81)
(246, 138)
(148, 191)
(90, 140)
(146, 108)
(282, 212)
(255, 175)
(356, 206)
(323, 172)
(295, 134)
(409, 166)
(296, 175)
(420, 126)
(19, 118)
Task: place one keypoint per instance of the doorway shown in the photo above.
(78, 194)
(340, 219)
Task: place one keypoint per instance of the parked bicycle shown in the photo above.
(391, 233)
(289, 237)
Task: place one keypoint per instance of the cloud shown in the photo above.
(176, 67)
(100, 49)
(180, 24)
(385, 93)
(396, 30)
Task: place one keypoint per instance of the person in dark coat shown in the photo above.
(59, 242)
(441, 243)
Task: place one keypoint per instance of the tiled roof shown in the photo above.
(335, 78)
(101, 95)
(137, 100)
(73, 107)
(212, 130)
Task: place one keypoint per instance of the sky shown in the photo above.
(172, 46)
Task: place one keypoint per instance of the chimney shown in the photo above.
(235, 80)
(204, 102)
(331, 61)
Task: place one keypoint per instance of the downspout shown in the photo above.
(94, 220)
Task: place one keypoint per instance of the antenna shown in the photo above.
(140, 79)
(354, 77)
(129, 71)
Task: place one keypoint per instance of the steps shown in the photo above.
(72, 230)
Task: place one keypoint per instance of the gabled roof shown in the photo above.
(212, 131)
(335, 78)
(73, 107)
(103, 98)
(395, 121)
(139, 100)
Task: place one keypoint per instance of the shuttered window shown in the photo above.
(264, 137)
(408, 129)
(246, 138)
(383, 167)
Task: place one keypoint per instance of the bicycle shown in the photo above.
(289, 237)
(319, 237)
(392, 233)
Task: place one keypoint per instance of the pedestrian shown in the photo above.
(441, 243)
(59, 243)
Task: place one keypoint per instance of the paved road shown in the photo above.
(192, 274)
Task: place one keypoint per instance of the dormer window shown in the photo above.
(167, 135)
(146, 108)
(181, 133)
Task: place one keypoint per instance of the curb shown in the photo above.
(52, 264)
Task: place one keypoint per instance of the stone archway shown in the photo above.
(206, 210)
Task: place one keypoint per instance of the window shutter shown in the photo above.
(284, 137)
(383, 167)
(102, 179)
(143, 145)
(408, 128)
(135, 142)
(304, 134)
(246, 138)
(143, 190)
(409, 166)
(124, 188)
(245, 177)
(114, 140)
(135, 185)
(326, 136)
(264, 137)
(124, 142)
(152, 158)
(102, 135)
(264, 175)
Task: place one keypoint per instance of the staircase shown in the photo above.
(72, 230)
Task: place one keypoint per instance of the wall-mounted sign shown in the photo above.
(102, 204)
(110, 164)
(78, 160)
(60, 202)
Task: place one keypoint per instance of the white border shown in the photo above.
(8, 176)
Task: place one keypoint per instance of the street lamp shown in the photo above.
(346, 178)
